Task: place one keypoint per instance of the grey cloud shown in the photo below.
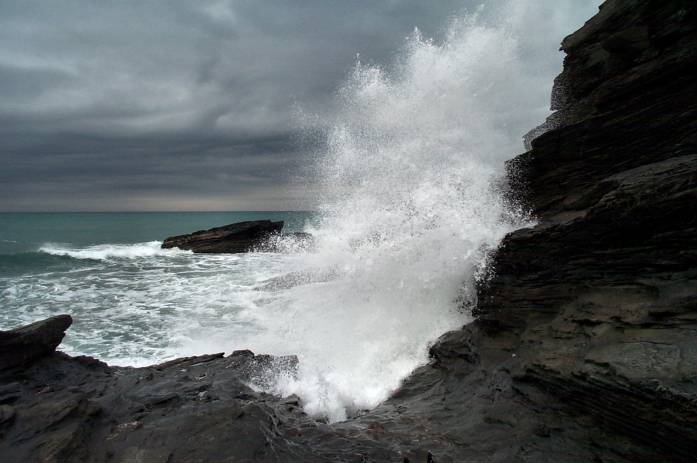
(179, 104)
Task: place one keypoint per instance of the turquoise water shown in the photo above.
(26, 232)
(132, 302)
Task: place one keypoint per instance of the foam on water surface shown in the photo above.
(109, 251)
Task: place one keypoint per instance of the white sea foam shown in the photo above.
(141, 307)
(410, 212)
(109, 251)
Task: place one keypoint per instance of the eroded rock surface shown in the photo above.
(194, 409)
(585, 347)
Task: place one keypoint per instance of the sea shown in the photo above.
(132, 302)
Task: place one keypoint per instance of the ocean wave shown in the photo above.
(33, 262)
(111, 251)
(410, 209)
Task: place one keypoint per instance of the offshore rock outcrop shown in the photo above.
(234, 238)
(585, 343)
(250, 236)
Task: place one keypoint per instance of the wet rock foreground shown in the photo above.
(585, 345)
(61, 408)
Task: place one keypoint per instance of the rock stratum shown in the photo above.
(585, 343)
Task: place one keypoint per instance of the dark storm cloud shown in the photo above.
(157, 105)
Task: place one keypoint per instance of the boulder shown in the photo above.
(27, 343)
(234, 238)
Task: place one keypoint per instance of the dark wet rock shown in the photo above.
(192, 409)
(189, 360)
(28, 343)
(584, 345)
(7, 415)
(233, 238)
(584, 338)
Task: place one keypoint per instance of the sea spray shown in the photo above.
(410, 211)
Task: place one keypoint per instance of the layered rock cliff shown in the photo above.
(585, 343)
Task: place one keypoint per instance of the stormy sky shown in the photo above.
(181, 105)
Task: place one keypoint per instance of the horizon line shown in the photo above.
(150, 212)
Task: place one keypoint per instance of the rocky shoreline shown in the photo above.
(585, 341)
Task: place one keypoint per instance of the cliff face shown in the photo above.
(597, 302)
(585, 346)
(602, 293)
